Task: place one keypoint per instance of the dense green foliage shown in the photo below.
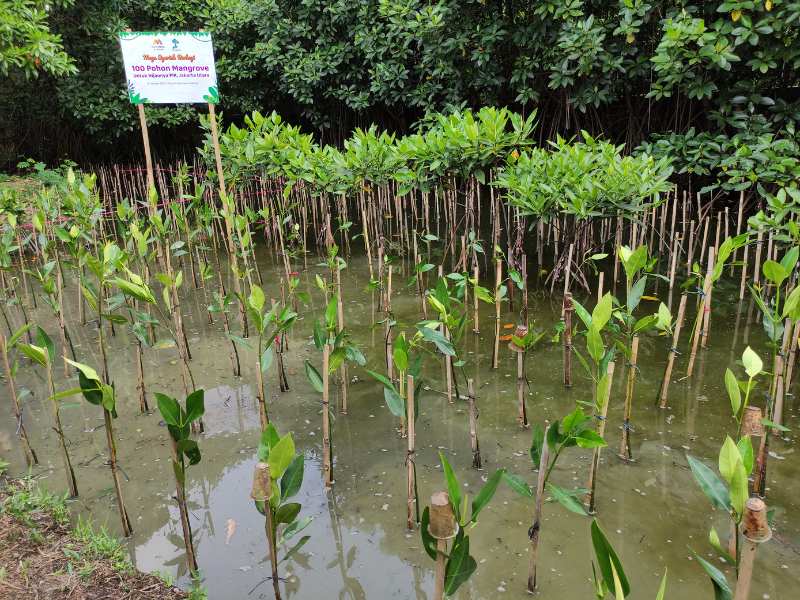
(625, 69)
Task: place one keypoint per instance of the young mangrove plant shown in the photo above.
(11, 368)
(104, 395)
(179, 420)
(270, 327)
(336, 349)
(447, 518)
(608, 574)
(546, 448)
(43, 353)
(276, 480)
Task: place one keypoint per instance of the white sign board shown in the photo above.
(164, 67)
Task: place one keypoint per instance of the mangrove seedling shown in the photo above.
(448, 518)
(336, 349)
(728, 493)
(277, 478)
(104, 395)
(179, 420)
(546, 448)
(43, 353)
(10, 368)
(608, 574)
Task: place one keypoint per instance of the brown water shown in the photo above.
(652, 510)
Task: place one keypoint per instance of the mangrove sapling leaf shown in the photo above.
(516, 483)
(566, 498)
(267, 357)
(286, 513)
(774, 271)
(485, 494)
(745, 448)
(314, 377)
(722, 590)
(293, 477)
(437, 338)
(281, 456)
(711, 485)
(460, 565)
(607, 560)
(295, 549)
(428, 541)
(734, 393)
(537, 441)
(752, 362)
(713, 539)
(453, 487)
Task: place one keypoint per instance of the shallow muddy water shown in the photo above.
(652, 510)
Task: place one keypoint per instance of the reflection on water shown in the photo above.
(359, 548)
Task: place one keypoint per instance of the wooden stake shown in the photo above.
(473, 425)
(327, 467)
(625, 443)
(601, 428)
(411, 465)
(676, 334)
(534, 532)
(567, 310)
(498, 280)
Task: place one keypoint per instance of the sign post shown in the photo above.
(171, 67)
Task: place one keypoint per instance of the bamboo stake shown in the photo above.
(411, 457)
(601, 428)
(498, 279)
(567, 310)
(112, 459)
(30, 453)
(327, 467)
(473, 425)
(625, 443)
(756, 531)
(534, 533)
(673, 351)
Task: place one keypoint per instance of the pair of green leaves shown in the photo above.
(179, 420)
(730, 492)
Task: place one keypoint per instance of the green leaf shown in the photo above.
(453, 487)
(739, 488)
(195, 405)
(728, 457)
(441, 342)
(256, 299)
(190, 449)
(35, 353)
(722, 590)
(745, 447)
(485, 495)
(314, 377)
(516, 483)
(734, 393)
(88, 371)
(169, 409)
(287, 513)
(266, 359)
(594, 343)
(293, 477)
(566, 499)
(602, 312)
(662, 589)
(460, 566)
(46, 342)
(588, 438)
(711, 485)
(281, 456)
(635, 294)
(296, 548)
(607, 559)
(428, 542)
(752, 362)
(774, 271)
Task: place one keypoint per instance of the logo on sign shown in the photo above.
(158, 44)
(174, 44)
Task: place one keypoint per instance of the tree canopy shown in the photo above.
(631, 70)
